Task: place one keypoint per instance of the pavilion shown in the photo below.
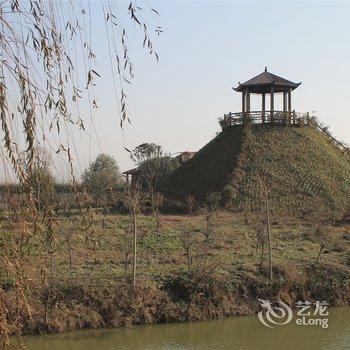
(264, 84)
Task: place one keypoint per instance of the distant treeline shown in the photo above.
(16, 188)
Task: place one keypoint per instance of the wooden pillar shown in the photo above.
(263, 108)
(243, 101)
(248, 101)
(272, 103)
(294, 117)
(290, 100)
(290, 105)
(285, 116)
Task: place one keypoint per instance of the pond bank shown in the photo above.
(185, 296)
(226, 334)
(216, 271)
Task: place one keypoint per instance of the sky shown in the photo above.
(206, 48)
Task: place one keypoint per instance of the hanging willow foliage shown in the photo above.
(47, 69)
(41, 77)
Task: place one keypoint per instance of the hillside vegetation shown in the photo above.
(304, 171)
(209, 169)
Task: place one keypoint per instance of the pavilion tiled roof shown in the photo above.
(264, 81)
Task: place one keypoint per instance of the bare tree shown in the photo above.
(212, 201)
(191, 204)
(127, 247)
(133, 198)
(68, 238)
(265, 194)
(259, 229)
(321, 237)
(208, 215)
(154, 165)
(211, 207)
(189, 240)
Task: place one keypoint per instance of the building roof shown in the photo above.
(263, 82)
(134, 171)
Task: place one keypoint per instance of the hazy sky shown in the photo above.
(206, 48)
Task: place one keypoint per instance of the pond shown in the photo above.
(233, 333)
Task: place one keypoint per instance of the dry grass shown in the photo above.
(99, 255)
(224, 279)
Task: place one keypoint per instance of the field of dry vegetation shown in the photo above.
(207, 265)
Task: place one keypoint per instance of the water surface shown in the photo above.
(244, 333)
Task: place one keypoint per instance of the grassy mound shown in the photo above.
(210, 169)
(302, 168)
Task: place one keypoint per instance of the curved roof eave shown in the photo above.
(243, 87)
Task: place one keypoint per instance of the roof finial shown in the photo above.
(265, 69)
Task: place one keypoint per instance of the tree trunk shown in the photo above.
(69, 250)
(207, 236)
(135, 248)
(126, 263)
(189, 259)
(151, 190)
(262, 255)
(47, 304)
(319, 254)
(268, 229)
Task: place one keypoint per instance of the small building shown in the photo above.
(183, 157)
(131, 176)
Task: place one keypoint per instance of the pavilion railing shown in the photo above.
(267, 117)
(281, 118)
